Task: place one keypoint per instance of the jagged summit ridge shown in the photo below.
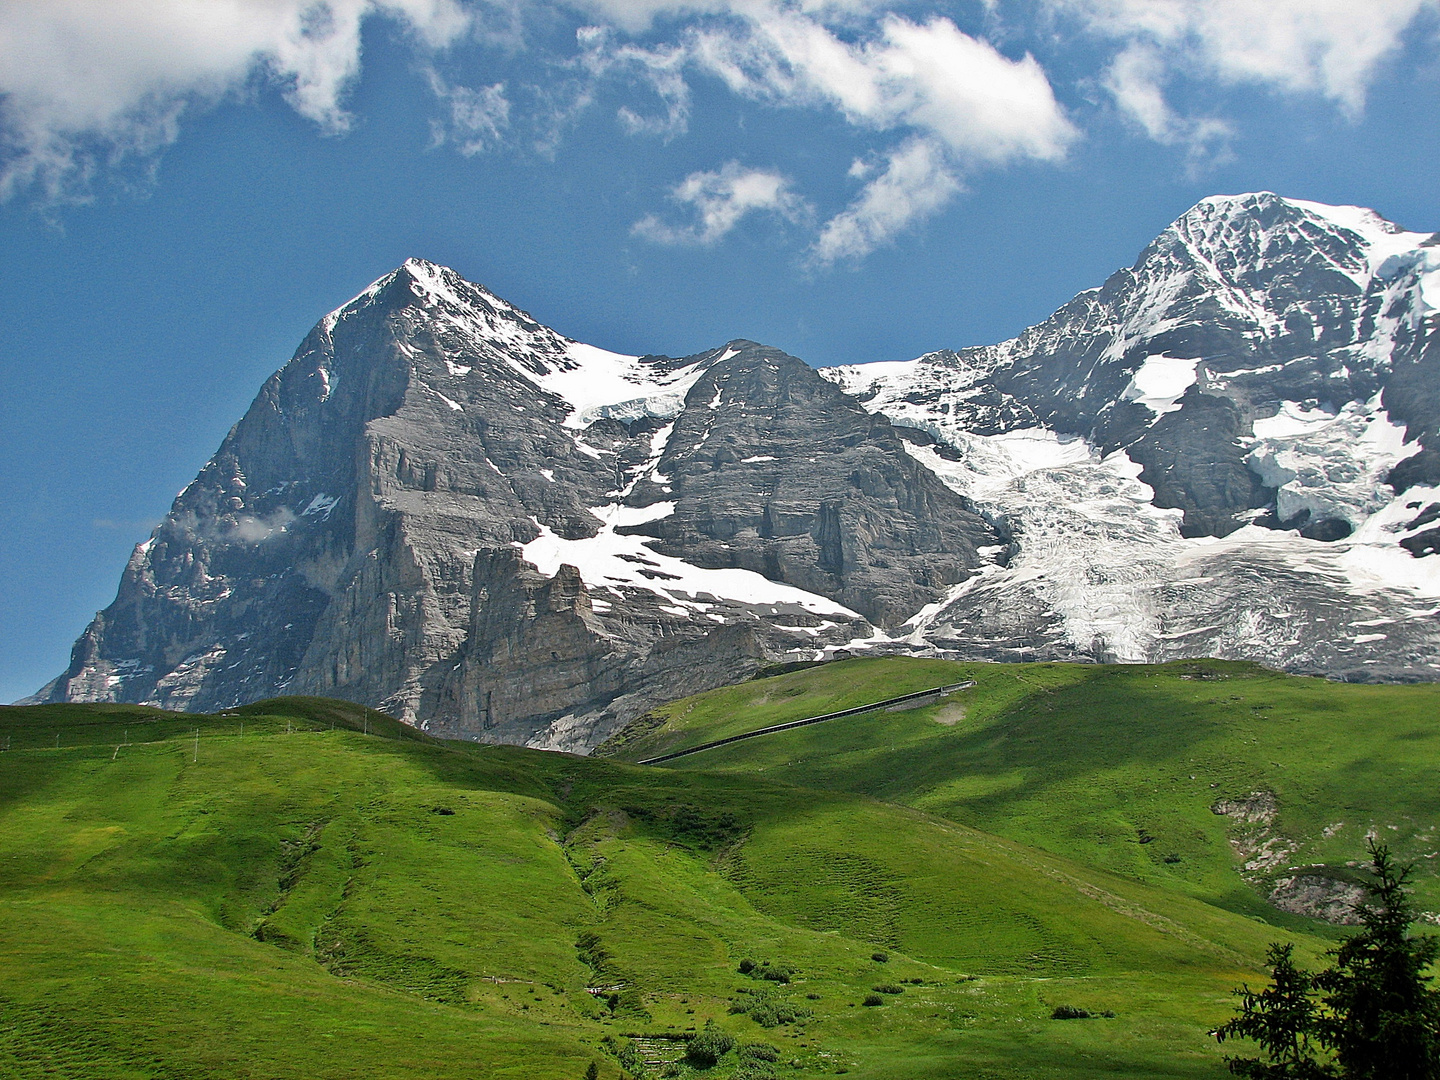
(593, 382)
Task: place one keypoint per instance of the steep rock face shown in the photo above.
(1251, 300)
(1267, 368)
(445, 509)
(534, 649)
(236, 577)
(776, 471)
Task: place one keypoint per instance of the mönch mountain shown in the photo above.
(444, 509)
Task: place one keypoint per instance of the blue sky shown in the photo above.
(186, 188)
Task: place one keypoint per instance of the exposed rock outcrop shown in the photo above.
(1267, 374)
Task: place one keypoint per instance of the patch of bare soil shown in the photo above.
(950, 715)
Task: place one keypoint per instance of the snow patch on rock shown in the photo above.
(626, 561)
(1160, 383)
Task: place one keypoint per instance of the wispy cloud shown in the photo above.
(1134, 80)
(661, 69)
(720, 200)
(475, 119)
(916, 182)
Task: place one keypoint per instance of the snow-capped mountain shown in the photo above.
(445, 509)
(1228, 449)
(441, 507)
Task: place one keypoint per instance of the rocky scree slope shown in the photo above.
(444, 509)
(1231, 449)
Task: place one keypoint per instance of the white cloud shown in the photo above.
(916, 183)
(1134, 79)
(929, 77)
(984, 106)
(1327, 47)
(477, 117)
(87, 81)
(959, 103)
(720, 200)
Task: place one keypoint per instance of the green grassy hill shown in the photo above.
(307, 889)
(1117, 767)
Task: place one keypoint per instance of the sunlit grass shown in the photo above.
(303, 900)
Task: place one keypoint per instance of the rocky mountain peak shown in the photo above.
(447, 508)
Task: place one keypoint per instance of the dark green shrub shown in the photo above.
(766, 969)
(708, 1047)
(691, 826)
(758, 1052)
(873, 999)
(756, 1061)
(630, 1059)
(1069, 1012)
(769, 1014)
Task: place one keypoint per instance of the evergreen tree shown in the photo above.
(1377, 1016)
(1383, 1019)
(1282, 1019)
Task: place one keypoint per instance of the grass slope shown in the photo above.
(307, 900)
(1117, 767)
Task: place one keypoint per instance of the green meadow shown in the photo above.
(1118, 767)
(304, 888)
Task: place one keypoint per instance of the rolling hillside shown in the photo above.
(328, 894)
(1222, 780)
